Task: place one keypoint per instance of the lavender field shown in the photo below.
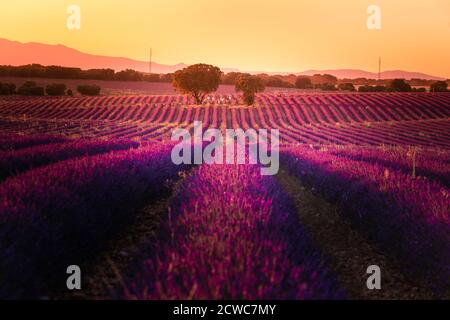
(90, 182)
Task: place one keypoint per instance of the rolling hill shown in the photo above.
(16, 53)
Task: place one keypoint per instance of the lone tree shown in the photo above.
(197, 80)
(249, 85)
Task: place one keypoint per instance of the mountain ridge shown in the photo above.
(17, 53)
(357, 73)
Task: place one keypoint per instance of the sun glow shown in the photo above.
(284, 35)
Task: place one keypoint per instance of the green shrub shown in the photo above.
(328, 87)
(346, 87)
(7, 88)
(30, 88)
(439, 86)
(372, 88)
(56, 89)
(399, 85)
(89, 90)
(303, 83)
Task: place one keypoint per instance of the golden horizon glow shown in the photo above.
(263, 35)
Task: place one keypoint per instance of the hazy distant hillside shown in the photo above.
(17, 53)
(353, 74)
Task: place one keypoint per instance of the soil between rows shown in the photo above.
(105, 276)
(348, 251)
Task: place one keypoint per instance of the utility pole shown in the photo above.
(379, 69)
(150, 61)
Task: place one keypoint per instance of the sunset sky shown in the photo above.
(252, 35)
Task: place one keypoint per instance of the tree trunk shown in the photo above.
(198, 98)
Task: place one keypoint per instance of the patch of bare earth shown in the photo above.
(348, 251)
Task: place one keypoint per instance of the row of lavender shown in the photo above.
(63, 213)
(15, 161)
(428, 163)
(408, 217)
(304, 108)
(228, 222)
(11, 141)
(232, 234)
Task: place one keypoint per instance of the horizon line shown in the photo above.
(230, 69)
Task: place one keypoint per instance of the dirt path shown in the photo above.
(349, 252)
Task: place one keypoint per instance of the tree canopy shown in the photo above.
(249, 85)
(399, 85)
(303, 83)
(439, 86)
(197, 80)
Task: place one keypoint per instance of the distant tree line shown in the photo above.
(327, 82)
(330, 83)
(401, 85)
(323, 82)
(30, 88)
(7, 89)
(201, 79)
(57, 72)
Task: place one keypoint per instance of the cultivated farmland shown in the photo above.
(363, 119)
(364, 179)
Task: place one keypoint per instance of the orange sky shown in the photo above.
(281, 35)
